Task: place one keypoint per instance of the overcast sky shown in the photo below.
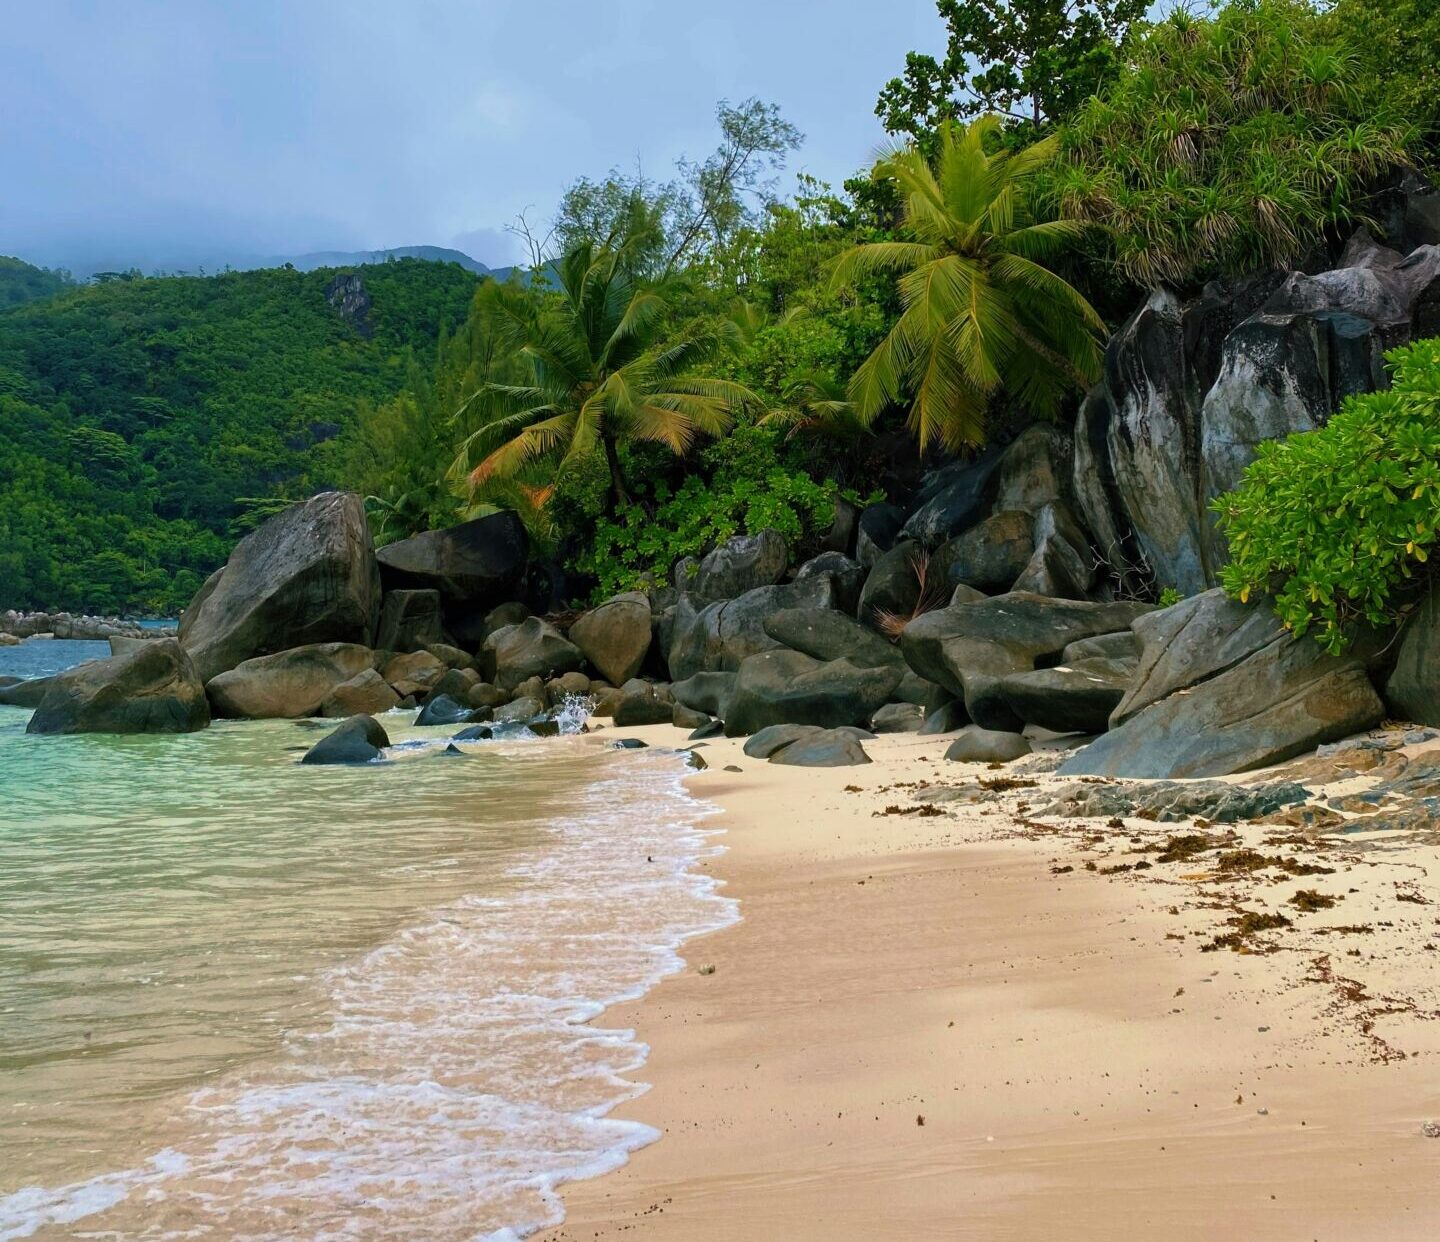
(169, 132)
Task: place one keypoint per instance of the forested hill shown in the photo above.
(138, 415)
(21, 282)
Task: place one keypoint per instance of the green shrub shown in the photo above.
(1231, 144)
(1338, 523)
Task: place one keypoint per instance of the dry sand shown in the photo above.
(923, 1029)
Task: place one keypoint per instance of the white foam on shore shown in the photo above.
(460, 1081)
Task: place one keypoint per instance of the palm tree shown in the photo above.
(982, 314)
(601, 372)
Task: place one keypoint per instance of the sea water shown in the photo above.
(242, 997)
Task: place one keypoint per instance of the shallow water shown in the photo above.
(240, 997)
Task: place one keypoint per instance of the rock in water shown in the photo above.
(25, 693)
(1222, 687)
(443, 710)
(977, 745)
(289, 684)
(359, 740)
(152, 690)
(615, 637)
(306, 576)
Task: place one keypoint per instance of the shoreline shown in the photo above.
(1082, 1064)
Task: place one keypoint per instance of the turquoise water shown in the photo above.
(213, 959)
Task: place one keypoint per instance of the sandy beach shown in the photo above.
(956, 1020)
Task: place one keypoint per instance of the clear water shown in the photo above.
(241, 997)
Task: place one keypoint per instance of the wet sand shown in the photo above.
(943, 1025)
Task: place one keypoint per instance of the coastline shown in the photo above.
(1081, 1064)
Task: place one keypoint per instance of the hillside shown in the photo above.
(23, 282)
(136, 414)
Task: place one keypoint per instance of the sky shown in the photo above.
(170, 133)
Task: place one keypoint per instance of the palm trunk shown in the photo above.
(619, 494)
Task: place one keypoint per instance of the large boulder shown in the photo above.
(705, 692)
(951, 500)
(1413, 689)
(365, 694)
(359, 739)
(152, 690)
(829, 635)
(1075, 698)
(991, 555)
(534, 648)
(409, 621)
(846, 576)
(877, 531)
(644, 703)
(895, 584)
(478, 563)
(615, 637)
(1034, 470)
(1223, 687)
(740, 564)
(969, 648)
(977, 745)
(717, 637)
(288, 684)
(415, 672)
(306, 576)
(26, 692)
(788, 687)
(1062, 565)
(829, 748)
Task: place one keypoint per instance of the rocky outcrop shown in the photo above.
(990, 555)
(358, 740)
(846, 576)
(289, 684)
(740, 564)
(894, 584)
(1074, 698)
(155, 689)
(306, 576)
(365, 694)
(615, 637)
(534, 648)
(787, 687)
(1223, 687)
(719, 636)
(1413, 689)
(15, 626)
(968, 649)
(825, 634)
(474, 566)
(977, 745)
(409, 621)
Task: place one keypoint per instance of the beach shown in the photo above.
(971, 1022)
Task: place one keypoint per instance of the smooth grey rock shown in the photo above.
(829, 635)
(288, 684)
(25, 692)
(475, 733)
(1413, 689)
(847, 577)
(534, 648)
(307, 576)
(477, 563)
(826, 749)
(952, 500)
(1122, 645)
(1062, 565)
(711, 728)
(1222, 687)
(452, 657)
(742, 563)
(705, 692)
(878, 529)
(1034, 470)
(968, 648)
(642, 703)
(415, 672)
(897, 718)
(990, 556)
(947, 718)
(443, 710)
(778, 687)
(518, 711)
(409, 621)
(152, 690)
(773, 738)
(1074, 698)
(977, 745)
(615, 637)
(721, 635)
(358, 740)
(894, 584)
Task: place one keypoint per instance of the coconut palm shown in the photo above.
(982, 314)
(601, 372)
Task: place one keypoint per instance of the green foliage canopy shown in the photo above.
(1336, 524)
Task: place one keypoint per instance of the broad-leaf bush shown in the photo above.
(1338, 524)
